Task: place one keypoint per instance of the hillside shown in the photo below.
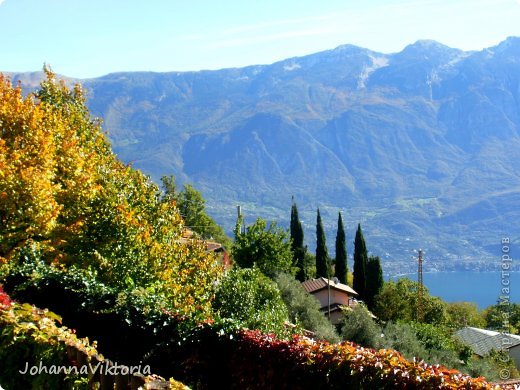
(421, 146)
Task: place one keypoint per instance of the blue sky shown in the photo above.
(89, 38)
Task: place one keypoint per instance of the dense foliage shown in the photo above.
(398, 301)
(309, 263)
(137, 317)
(67, 199)
(418, 341)
(360, 263)
(31, 337)
(463, 314)
(253, 360)
(358, 326)
(297, 246)
(192, 208)
(252, 300)
(504, 316)
(268, 248)
(340, 263)
(374, 280)
(436, 345)
(322, 255)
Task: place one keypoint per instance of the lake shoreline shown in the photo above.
(481, 288)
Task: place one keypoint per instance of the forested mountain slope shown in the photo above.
(422, 146)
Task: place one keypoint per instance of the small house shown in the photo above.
(332, 295)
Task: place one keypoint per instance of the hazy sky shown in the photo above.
(89, 38)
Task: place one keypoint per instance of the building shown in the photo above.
(332, 295)
(482, 341)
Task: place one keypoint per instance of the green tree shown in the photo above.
(322, 256)
(359, 327)
(397, 301)
(192, 207)
(268, 248)
(169, 188)
(309, 263)
(393, 302)
(504, 316)
(463, 314)
(297, 245)
(251, 299)
(360, 263)
(304, 309)
(434, 336)
(341, 268)
(374, 280)
(434, 310)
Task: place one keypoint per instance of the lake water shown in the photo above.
(482, 288)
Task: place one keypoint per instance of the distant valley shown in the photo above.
(422, 147)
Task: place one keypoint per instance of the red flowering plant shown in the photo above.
(320, 364)
(5, 300)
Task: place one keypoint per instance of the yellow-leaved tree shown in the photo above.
(63, 191)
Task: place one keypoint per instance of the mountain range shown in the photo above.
(422, 147)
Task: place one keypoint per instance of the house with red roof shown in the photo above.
(332, 295)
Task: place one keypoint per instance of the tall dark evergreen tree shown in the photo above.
(297, 246)
(340, 268)
(374, 280)
(360, 263)
(322, 256)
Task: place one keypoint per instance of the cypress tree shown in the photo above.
(340, 269)
(360, 263)
(297, 243)
(322, 256)
(374, 280)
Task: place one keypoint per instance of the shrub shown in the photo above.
(5, 300)
(30, 336)
(436, 346)
(492, 366)
(251, 360)
(433, 336)
(139, 317)
(424, 342)
(402, 337)
(358, 326)
(222, 356)
(251, 299)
